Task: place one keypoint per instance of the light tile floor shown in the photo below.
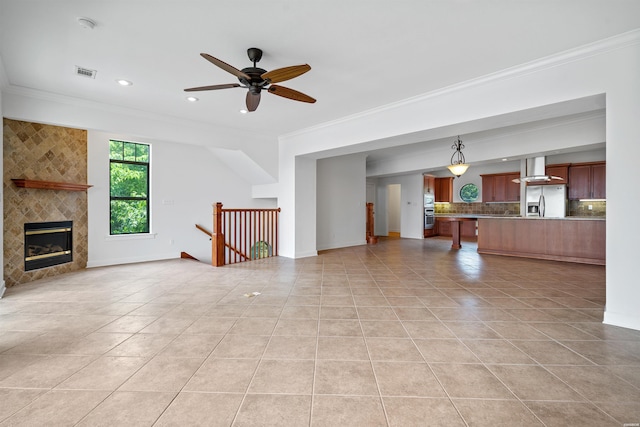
(406, 332)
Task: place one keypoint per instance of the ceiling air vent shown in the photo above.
(85, 72)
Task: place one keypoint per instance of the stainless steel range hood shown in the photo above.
(536, 171)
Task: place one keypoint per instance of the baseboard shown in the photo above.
(3, 288)
(132, 260)
(339, 245)
(621, 320)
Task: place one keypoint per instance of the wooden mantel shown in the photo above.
(49, 185)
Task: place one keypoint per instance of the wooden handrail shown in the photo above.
(204, 230)
(252, 210)
(236, 251)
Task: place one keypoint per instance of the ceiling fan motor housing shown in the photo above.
(256, 82)
(255, 54)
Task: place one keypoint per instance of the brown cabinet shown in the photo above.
(443, 190)
(499, 187)
(430, 232)
(587, 181)
(444, 228)
(599, 181)
(429, 184)
(467, 228)
(561, 171)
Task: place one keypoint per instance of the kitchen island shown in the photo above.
(456, 224)
(572, 239)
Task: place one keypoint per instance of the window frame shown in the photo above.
(112, 198)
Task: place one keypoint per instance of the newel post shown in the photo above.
(217, 238)
(371, 237)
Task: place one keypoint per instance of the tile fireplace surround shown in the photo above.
(48, 153)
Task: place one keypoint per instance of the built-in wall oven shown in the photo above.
(429, 211)
(429, 218)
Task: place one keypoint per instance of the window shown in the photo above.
(129, 187)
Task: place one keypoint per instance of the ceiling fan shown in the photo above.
(255, 79)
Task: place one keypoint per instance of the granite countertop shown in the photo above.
(568, 218)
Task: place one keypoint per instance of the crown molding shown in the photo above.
(21, 91)
(579, 53)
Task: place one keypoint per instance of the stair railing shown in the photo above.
(243, 234)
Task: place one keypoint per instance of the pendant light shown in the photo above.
(458, 165)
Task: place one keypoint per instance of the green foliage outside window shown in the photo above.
(129, 187)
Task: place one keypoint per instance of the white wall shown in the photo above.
(341, 202)
(186, 180)
(185, 174)
(545, 136)
(380, 217)
(61, 111)
(610, 67)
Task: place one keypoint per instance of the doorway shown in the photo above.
(393, 210)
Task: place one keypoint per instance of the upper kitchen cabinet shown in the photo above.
(500, 188)
(561, 171)
(587, 181)
(444, 190)
(429, 184)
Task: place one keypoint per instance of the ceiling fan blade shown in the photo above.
(290, 93)
(212, 87)
(286, 73)
(228, 68)
(253, 100)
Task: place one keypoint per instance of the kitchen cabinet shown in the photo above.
(561, 171)
(572, 240)
(444, 228)
(587, 181)
(444, 190)
(500, 188)
(467, 228)
(429, 184)
(430, 232)
(599, 181)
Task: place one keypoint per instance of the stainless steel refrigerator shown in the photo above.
(547, 200)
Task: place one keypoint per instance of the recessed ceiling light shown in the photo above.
(124, 82)
(243, 111)
(192, 99)
(505, 159)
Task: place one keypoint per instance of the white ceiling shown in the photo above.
(363, 53)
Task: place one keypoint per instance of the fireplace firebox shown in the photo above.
(47, 244)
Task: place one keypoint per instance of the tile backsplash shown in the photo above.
(579, 208)
(575, 208)
(478, 208)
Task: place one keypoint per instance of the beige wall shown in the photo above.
(47, 153)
